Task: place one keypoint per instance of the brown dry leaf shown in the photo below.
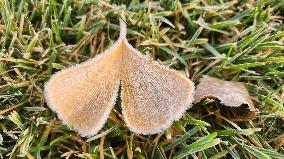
(231, 94)
(152, 95)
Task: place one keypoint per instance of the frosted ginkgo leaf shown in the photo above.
(153, 96)
(231, 94)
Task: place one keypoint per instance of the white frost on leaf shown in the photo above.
(153, 96)
(231, 94)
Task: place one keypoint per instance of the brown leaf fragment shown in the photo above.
(280, 142)
(153, 96)
(231, 94)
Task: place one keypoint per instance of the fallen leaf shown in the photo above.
(153, 96)
(231, 94)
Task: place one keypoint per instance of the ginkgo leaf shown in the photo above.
(229, 93)
(153, 96)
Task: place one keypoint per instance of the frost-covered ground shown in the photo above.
(230, 40)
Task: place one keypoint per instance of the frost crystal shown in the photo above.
(229, 93)
(152, 95)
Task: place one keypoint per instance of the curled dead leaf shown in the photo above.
(153, 96)
(231, 94)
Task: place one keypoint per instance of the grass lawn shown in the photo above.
(237, 40)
